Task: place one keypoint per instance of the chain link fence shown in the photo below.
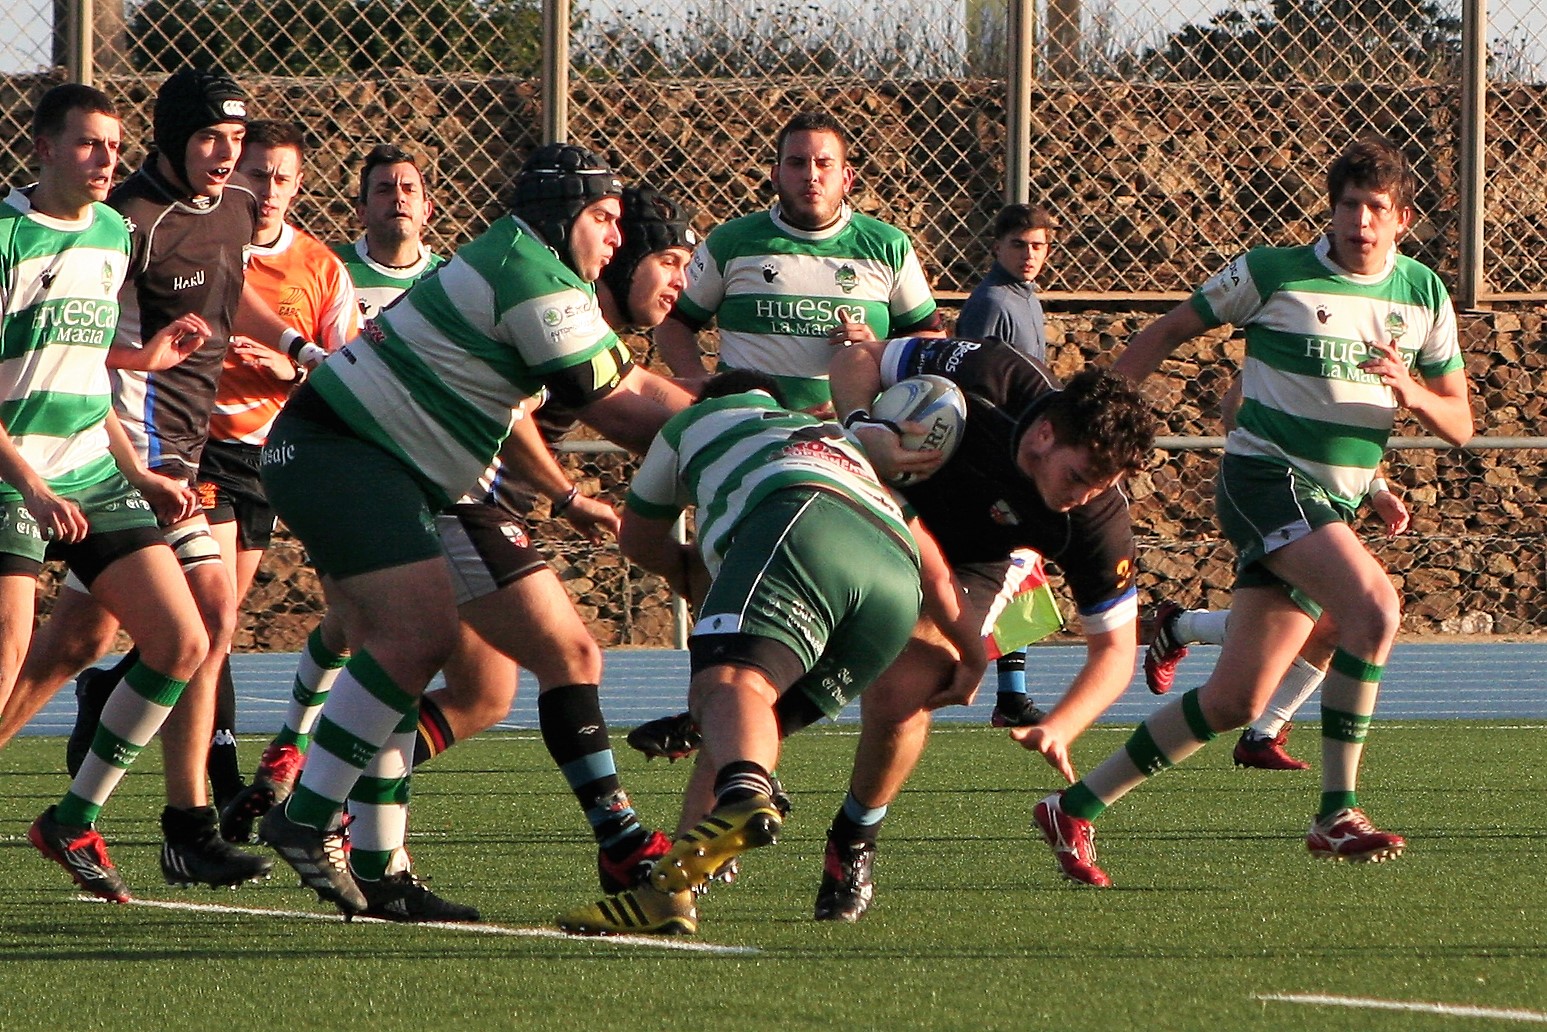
(1165, 135)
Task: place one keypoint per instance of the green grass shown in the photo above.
(1216, 903)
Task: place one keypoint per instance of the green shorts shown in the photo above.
(120, 522)
(355, 507)
(1264, 506)
(813, 592)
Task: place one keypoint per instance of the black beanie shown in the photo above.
(555, 185)
(651, 223)
(189, 101)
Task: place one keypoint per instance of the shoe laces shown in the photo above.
(335, 843)
(1351, 819)
(280, 762)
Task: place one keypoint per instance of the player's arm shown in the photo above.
(942, 597)
(170, 498)
(58, 519)
(1440, 403)
(1109, 659)
(651, 542)
(525, 450)
(678, 344)
(633, 411)
(855, 379)
(1389, 507)
(256, 319)
(167, 346)
(1151, 345)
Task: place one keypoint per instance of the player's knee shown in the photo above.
(178, 652)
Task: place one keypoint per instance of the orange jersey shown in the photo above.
(307, 285)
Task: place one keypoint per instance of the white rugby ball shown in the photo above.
(933, 401)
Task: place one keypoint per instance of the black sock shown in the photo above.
(223, 767)
(741, 779)
(575, 733)
(434, 733)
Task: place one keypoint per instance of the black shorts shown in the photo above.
(231, 489)
(486, 547)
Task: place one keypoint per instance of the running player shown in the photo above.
(816, 585)
(65, 256)
(1334, 331)
(1039, 468)
(510, 314)
(298, 277)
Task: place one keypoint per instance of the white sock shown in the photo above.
(1200, 626)
(1299, 682)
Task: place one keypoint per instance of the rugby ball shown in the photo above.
(933, 401)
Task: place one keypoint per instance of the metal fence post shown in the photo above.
(555, 71)
(1474, 92)
(1017, 103)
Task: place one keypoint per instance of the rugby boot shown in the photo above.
(82, 853)
(641, 911)
(726, 833)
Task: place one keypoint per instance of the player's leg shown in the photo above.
(146, 587)
(1264, 743)
(18, 594)
(519, 612)
(364, 519)
(1335, 570)
(1269, 630)
(322, 657)
(76, 635)
(224, 768)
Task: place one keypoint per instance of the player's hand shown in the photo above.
(882, 442)
(182, 336)
(1054, 750)
(170, 498)
(850, 332)
(1392, 511)
(58, 519)
(260, 356)
(593, 517)
(965, 680)
(1389, 368)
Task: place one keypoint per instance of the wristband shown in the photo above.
(1377, 486)
(301, 351)
(859, 417)
(561, 506)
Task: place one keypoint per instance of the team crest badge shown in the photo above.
(1322, 315)
(846, 278)
(1001, 513)
(107, 279)
(770, 272)
(1396, 326)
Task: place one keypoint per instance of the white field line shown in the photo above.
(658, 942)
(1452, 1010)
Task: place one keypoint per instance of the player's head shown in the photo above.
(1086, 438)
(811, 172)
(76, 136)
(649, 269)
(1371, 188)
(394, 202)
(573, 199)
(1023, 233)
(741, 381)
(271, 158)
(198, 123)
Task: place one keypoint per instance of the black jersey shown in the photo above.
(186, 257)
(980, 506)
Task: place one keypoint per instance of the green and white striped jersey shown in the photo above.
(726, 455)
(59, 283)
(776, 292)
(376, 285)
(435, 379)
(1308, 325)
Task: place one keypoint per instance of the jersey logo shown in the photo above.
(846, 278)
(1396, 325)
(48, 277)
(1001, 513)
(770, 271)
(1322, 315)
(107, 279)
